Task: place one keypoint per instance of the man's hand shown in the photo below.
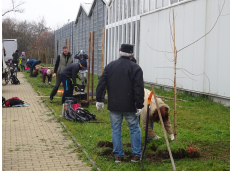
(172, 137)
(54, 75)
(139, 111)
(99, 105)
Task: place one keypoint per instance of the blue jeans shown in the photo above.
(68, 87)
(133, 124)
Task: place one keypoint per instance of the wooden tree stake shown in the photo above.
(92, 67)
(89, 63)
(102, 51)
(175, 58)
(162, 124)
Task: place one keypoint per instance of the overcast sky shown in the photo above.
(55, 12)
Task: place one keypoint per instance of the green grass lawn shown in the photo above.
(201, 123)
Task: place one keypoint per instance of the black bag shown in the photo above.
(13, 101)
(14, 80)
(3, 100)
(80, 115)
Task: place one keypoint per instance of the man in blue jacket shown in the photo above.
(68, 73)
(81, 55)
(32, 63)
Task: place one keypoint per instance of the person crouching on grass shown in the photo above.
(154, 117)
(68, 73)
(46, 73)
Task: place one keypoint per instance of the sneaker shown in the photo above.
(135, 159)
(118, 159)
(51, 99)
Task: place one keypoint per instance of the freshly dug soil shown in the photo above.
(181, 153)
(155, 156)
(102, 144)
(151, 157)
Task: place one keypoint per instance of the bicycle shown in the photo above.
(6, 77)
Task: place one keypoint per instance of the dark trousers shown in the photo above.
(31, 70)
(56, 87)
(68, 87)
(23, 67)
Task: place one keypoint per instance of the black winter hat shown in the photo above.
(83, 63)
(127, 48)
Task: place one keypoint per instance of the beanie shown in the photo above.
(84, 63)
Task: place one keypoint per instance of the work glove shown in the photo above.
(99, 105)
(157, 137)
(138, 113)
(172, 137)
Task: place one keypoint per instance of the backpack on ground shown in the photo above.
(14, 80)
(13, 101)
(79, 115)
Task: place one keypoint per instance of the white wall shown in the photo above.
(210, 55)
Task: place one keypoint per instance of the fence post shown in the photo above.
(92, 74)
(102, 51)
(89, 63)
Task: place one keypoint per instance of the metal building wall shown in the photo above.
(95, 22)
(82, 32)
(63, 35)
(97, 25)
(203, 67)
(123, 23)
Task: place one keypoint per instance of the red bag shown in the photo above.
(13, 101)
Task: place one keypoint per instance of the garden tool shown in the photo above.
(146, 129)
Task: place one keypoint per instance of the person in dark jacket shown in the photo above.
(63, 60)
(81, 55)
(68, 73)
(124, 81)
(32, 63)
(15, 58)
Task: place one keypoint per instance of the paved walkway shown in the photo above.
(31, 138)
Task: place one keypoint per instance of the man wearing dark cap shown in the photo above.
(68, 73)
(81, 55)
(124, 81)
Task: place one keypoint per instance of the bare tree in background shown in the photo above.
(33, 37)
(15, 8)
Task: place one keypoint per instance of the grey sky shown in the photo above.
(55, 12)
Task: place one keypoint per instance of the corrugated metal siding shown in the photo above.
(202, 67)
(63, 35)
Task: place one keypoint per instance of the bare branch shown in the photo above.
(207, 32)
(15, 8)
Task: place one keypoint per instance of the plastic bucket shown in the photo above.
(75, 106)
(59, 92)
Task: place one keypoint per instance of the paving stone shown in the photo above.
(31, 139)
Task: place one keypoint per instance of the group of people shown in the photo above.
(19, 60)
(66, 72)
(123, 80)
